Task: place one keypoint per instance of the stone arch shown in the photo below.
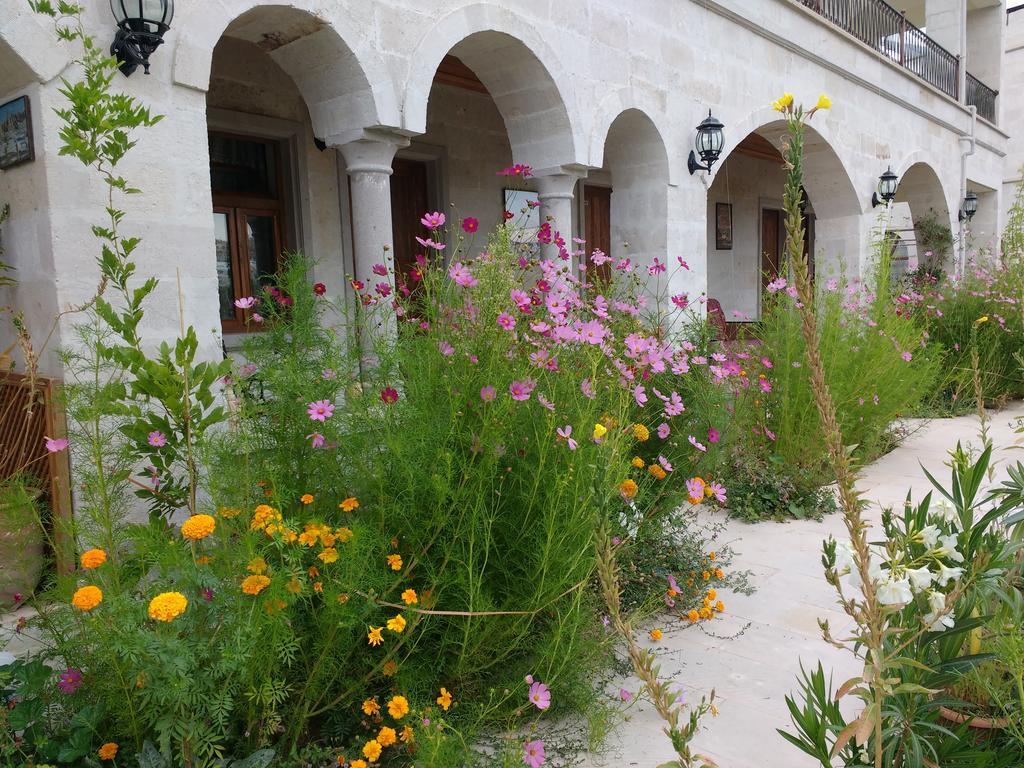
(635, 157)
(29, 51)
(921, 189)
(346, 88)
(522, 73)
(648, 104)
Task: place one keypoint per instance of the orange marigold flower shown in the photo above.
(344, 535)
(395, 561)
(410, 597)
(628, 488)
(389, 669)
(372, 750)
(641, 433)
(329, 555)
(318, 587)
(371, 707)
(656, 634)
(397, 624)
(288, 536)
(693, 616)
(86, 598)
(327, 538)
(313, 572)
(705, 575)
(349, 505)
(306, 498)
(374, 636)
(637, 462)
(294, 586)
(253, 585)
(343, 598)
(406, 735)
(398, 707)
(656, 471)
(309, 537)
(198, 527)
(444, 700)
(711, 555)
(108, 751)
(204, 560)
(720, 606)
(358, 764)
(93, 558)
(387, 736)
(712, 594)
(719, 573)
(167, 606)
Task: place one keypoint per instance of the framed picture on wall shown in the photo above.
(15, 133)
(723, 226)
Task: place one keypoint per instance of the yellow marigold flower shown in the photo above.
(263, 516)
(693, 616)
(389, 669)
(167, 606)
(344, 535)
(309, 538)
(318, 587)
(294, 586)
(720, 606)
(444, 700)
(229, 512)
(705, 575)
(628, 488)
(374, 636)
(397, 624)
(372, 750)
(719, 573)
(349, 505)
(306, 498)
(387, 736)
(371, 707)
(253, 585)
(406, 735)
(398, 707)
(712, 594)
(86, 598)
(641, 433)
(329, 555)
(395, 561)
(600, 430)
(108, 751)
(705, 612)
(657, 472)
(637, 462)
(288, 536)
(358, 764)
(327, 539)
(198, 527)
(711, 555)
(982, 319)
(824, 102)
(257, 565)
(93, 558)
(656, 634)
(409, 597)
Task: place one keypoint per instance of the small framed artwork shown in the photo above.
(723, 226)
(16, 133)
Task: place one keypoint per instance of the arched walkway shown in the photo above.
(932, 226)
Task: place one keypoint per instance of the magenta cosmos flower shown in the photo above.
(316, 440)
(470, 224)
(533, 754)
(713, 435)
(506, 321)
(488, 393)
(566, 434)
(539, 695)
(56, 444)
(320, 410)
(520, 390)
(433, 220)
(157, 439)
(389, 395)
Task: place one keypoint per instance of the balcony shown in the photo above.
(885, 29)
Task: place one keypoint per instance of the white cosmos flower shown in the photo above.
(920, 578)
(894, 592)
(947, 574)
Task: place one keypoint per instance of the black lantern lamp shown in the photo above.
(969, 207)
(141, 25)
(709, 144)
(886, 191)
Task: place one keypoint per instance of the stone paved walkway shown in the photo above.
(755, 670)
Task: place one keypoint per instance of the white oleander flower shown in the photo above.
(894, 592)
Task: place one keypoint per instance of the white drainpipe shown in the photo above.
(964, 154)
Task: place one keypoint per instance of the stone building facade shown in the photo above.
(306, 125)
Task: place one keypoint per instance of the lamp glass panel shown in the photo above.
(717, 138)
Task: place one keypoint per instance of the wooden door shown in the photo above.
(409, 201)
(597, 225)
(771, 221)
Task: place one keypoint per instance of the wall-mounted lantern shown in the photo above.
(141, 25)
(968, 207)
(886, 191)
(709, 144)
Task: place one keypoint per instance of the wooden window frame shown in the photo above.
(237, 207)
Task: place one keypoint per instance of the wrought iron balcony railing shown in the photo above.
(887, 30)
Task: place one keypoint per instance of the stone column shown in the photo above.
(368, 163)
(555, 192)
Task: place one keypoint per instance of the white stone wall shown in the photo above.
(1012, 105)
(560, 73)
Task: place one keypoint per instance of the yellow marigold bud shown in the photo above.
(253, 585)
(167, 606)
(86, 598)
(93, 558)
(198, 527)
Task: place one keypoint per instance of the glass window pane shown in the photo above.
(261, 233)
(242, 166)
(225, 280)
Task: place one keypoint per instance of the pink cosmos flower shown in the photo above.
(587, 388)
(257, 317)
(545, 402)
(718, 491)
(656, 267)
(682, 263)
(389, 395)
(380, 269)
(713, 435)
(470, 224)
(533, 754)
(247, 302)
(566, 434)
(766, 386)
(446, 349)
(693, 441)
(539, 695)
(695, 489)
(665, 463)
(316, 440)
(681, 300)
(320, 410)
(766, 362)
(328, 374)
(429, 243)
(461, 274)
(69, 680)
(488, 393)
(625, 695)
(56, 444)
(506, 321)
(157, 439)
(520, 390)
(907, 357)
(776, 285)
(639, 394)
(433, 220)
